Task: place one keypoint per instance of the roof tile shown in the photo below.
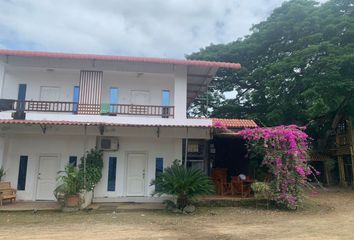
(235, 123)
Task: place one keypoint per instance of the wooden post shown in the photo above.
(326, 173)
(342, 182)
(352, 157)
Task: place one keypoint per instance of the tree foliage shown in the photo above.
(297, 66)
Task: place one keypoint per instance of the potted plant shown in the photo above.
(69, 186)
(2, 173)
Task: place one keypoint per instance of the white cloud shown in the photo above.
(161, 28)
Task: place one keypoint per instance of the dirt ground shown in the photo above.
(329, 215)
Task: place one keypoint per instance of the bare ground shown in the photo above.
(329, 215)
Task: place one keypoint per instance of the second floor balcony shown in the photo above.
(86, 109)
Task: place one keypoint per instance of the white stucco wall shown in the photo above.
(66, 79)
(127, 82)
(2, 77)
(180, 86)
(65, 141)
(35, 146)
(35, 78)
(152, 147)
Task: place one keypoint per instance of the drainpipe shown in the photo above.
(186, 149)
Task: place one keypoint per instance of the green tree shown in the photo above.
(297, 67)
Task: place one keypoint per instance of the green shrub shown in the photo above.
(261, 190)
(94, 166)
(182, 183)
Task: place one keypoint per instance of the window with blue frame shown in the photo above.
(22, 173)
(73, 160)
(165, 103)
(112, 172)
(113, 99)
(158, 169)
(76, 96)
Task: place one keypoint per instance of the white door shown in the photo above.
(136, 174)
(140, 97)
(47, 174)
(50, 94)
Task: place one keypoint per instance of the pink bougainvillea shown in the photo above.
(286, 156)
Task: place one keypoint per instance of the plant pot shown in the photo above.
(72, 200)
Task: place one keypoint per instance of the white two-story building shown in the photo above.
(56, 106)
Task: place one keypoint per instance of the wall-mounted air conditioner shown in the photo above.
(108, 143)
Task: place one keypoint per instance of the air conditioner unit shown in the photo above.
(108, 143)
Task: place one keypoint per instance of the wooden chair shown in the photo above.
(6, 192)
(236, 186)
(219, 177)
(247, 190)
(240, 187)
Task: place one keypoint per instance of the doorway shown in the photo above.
(136, 172)
(47, 174)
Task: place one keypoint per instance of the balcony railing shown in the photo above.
(78, 108)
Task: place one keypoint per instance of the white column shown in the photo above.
(180, 92)
(178, 150)
(2, 78)
(2, 151)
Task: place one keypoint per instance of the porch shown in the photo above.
(29, 206)
(233, 171)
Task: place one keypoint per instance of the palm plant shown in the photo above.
(183, 183)
(69, 183)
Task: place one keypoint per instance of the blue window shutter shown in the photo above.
(73, 160)
(112, 170)
(76, 96)
(159, 165)
(21, 97)
(165, 98)
(22, 173)
(158, 169)
(165, 103)
(113, 98)
(22, 92)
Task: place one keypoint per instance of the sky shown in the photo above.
(155, 28)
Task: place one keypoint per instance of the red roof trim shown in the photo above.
(119, 58)
(74, 123)
(231, 123)
(235, 123)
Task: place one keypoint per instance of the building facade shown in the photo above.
(54, 107)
